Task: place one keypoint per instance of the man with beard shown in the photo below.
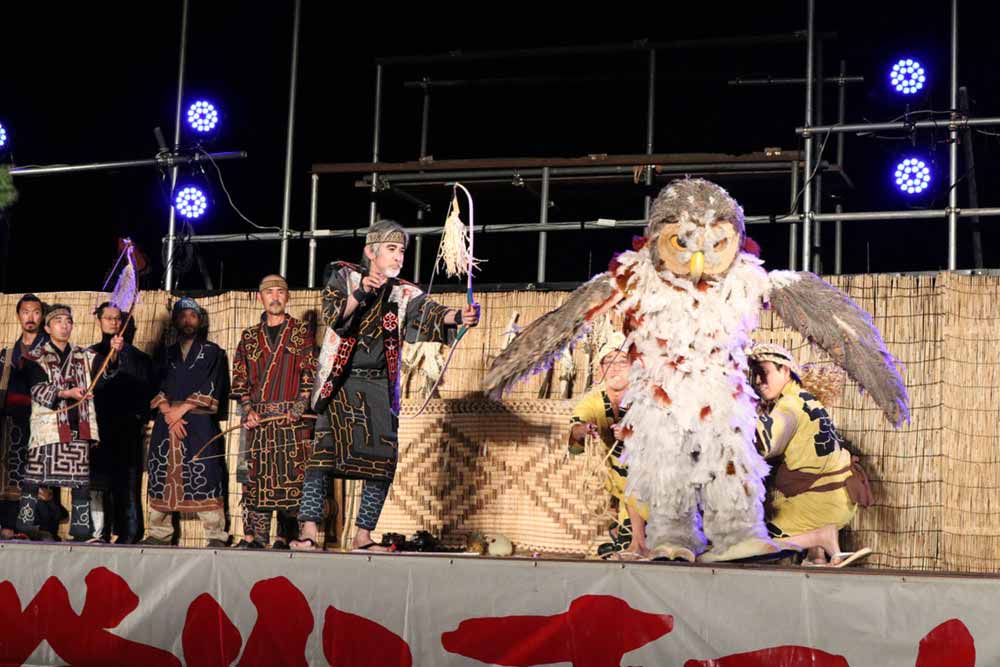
(273, 373)
(122, 403)
(15, 408)
(63, 424)
(194, 385)
(367, 311)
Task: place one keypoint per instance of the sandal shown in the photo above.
(847, 557)
(304, 544)
(391, 548)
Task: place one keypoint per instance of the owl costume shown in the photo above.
(691, 297)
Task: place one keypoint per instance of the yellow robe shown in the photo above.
(595, 408)
(799, 423)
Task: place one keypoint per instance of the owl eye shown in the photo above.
(720, 244)
(677, 242)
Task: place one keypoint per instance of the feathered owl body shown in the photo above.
(691, 299)
(691, 417)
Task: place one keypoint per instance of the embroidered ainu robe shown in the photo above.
(177, 482)
(269, 375)
(357, 385)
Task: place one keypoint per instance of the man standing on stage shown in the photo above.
(194, 381)
(59, 375)
(122, 410)
(15, 408)
(367, 311)
(273, 373)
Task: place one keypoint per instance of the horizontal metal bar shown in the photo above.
(588, 161)
(794, 80)
(474, 175)
(780, 218)
(946, 124)
(165, 160)
(640, 46)
(922, 214)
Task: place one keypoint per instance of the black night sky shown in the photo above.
(88, 82)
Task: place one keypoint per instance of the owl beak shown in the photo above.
(697, 267)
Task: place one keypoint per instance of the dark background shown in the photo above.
(88, 82)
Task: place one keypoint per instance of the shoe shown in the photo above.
(155, 541)
(218, 544)
(245, 544)
(281, 545)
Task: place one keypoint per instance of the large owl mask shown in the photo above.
(695, 230)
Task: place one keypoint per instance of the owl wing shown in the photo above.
(537, 346)
(826, 316)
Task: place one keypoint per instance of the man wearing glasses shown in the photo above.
(122, 410)
(598, 415)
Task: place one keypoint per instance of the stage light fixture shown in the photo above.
(907, 76)
(202, 116)
(912, 176)
(190, 202)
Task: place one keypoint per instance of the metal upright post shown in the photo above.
(373, 209)
(168, 279)
(953, 146)
(544, 219)
(838, 246)
(650, 127)
(793, 235)
(807, 198)
(289, 141)
(424, 130)
(838, 225)
(313, 214)
(817, 261)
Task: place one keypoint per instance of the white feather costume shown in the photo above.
(691, 411)
(691, 299)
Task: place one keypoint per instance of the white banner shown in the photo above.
(109, 606)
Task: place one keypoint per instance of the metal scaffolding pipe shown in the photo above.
(838, 243)
(172, 219)
(544, 220)
(953, 146)
(425, 119)
(313, 218)
(164, 161)
(372, 208)
(793, 228)
(807, 199)
(650, 125)
(598, 49)
(841, 110)
(954, 123)
(286, 209)
(839, 81)
(622, 170)
(530, 227)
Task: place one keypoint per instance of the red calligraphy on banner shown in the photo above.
(783, 656)
(948, 645)
(209, 638)
(79, 639)
(596, 631)
(354, 641)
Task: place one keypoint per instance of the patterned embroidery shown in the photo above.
(343, 355)
(390, 321)
(326, 390)
(391, 342)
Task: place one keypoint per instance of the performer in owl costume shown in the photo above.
(691, 296)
